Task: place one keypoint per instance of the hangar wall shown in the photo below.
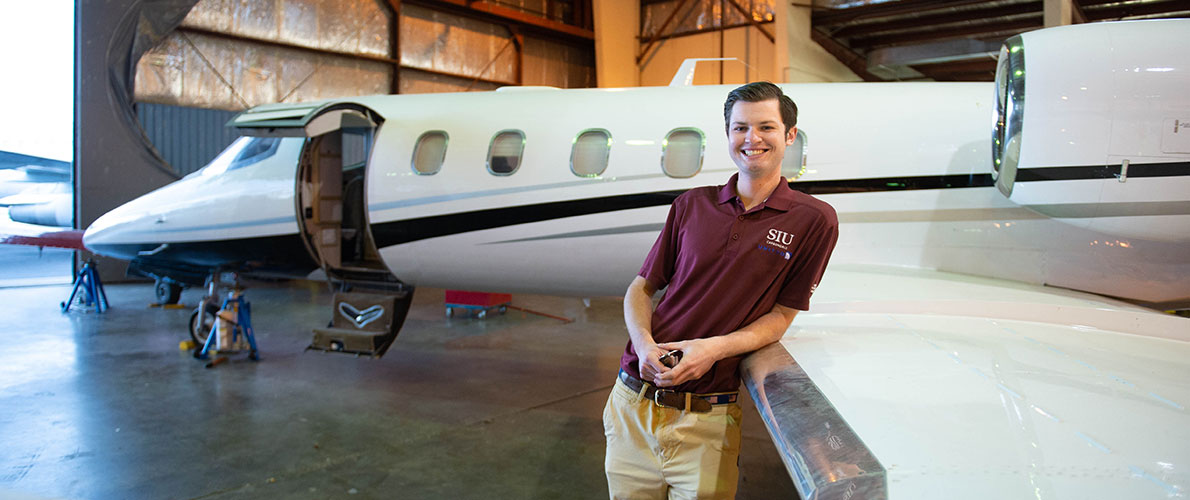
(112, 163)
(771, 43)
(233, 55)
(799, 59)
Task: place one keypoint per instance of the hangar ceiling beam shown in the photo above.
(857, 63)
(840, 16)
(492, 12)
(748, 15)
(1099, 10)
(1010, 26)
(926, 20)
(274, 43)
(934, 52)
(657, 36)
(395, 62)
(394, 43)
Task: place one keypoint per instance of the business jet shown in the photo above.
(987, 327)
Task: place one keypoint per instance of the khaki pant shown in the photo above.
(655, 452)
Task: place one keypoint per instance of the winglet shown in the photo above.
(685, 75)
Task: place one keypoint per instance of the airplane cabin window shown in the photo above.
(588, 156)
(430, 152)
(681, 153)
(504, 155)
(794, 164)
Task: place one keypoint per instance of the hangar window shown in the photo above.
(681, 153)
(794, 164)
(588, 156)
(430, 152)
(504, 155)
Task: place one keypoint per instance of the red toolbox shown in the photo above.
(478, 303)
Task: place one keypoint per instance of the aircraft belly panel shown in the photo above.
(1072, 396)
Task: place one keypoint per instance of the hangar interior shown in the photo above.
(106, 405)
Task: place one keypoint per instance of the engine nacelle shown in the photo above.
(1092, 126)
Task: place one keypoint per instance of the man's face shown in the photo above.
(756, 138)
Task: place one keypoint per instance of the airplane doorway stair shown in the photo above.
(363, 323)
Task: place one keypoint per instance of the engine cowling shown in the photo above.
(1092, 126)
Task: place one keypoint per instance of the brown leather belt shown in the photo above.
(699, 403)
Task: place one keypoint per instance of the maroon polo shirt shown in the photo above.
(724, 267)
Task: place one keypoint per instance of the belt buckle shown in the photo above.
(657, 398)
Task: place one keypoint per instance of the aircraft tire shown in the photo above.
(167, 292)
(200, 323)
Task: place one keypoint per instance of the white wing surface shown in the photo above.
(922, 384)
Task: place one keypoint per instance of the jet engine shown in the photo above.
(1092, 126)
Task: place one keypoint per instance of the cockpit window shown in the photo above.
(243, 152)
(257, 149)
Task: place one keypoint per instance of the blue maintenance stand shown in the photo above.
(243, 321)
(93, 294)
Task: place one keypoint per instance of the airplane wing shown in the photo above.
(17, 233)
(903, 383)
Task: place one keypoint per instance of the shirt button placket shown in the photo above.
(733, 241)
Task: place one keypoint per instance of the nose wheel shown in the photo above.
(202, 320)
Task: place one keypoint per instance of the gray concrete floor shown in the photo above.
(108, 406)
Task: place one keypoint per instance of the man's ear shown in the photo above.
(791, 136)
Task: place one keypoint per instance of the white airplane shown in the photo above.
(975, 336)
(36, 190)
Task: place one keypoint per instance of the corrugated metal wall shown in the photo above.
(235, 54)
(700, 16)
(187, 138)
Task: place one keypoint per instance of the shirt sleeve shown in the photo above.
(659, 266)
(803, 278)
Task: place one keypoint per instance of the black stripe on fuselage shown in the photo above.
(398, 232)
(405, 231)
(1099, 172)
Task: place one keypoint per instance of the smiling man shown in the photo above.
(737, 261)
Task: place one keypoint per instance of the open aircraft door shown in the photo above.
(332, 216)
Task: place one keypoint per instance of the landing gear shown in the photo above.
(167, 291)
(202, 320)
(227, 327)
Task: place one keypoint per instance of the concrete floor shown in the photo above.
(107, 406)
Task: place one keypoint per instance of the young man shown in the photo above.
(737, 261)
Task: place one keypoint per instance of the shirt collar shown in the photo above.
(782, 198)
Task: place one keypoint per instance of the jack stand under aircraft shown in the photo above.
(232, 320)
(93, 294)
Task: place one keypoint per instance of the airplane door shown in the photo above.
(330, 194)
(325, 217)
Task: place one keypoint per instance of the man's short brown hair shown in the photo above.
(757, 92)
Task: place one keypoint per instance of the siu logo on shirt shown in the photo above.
(780, 238)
